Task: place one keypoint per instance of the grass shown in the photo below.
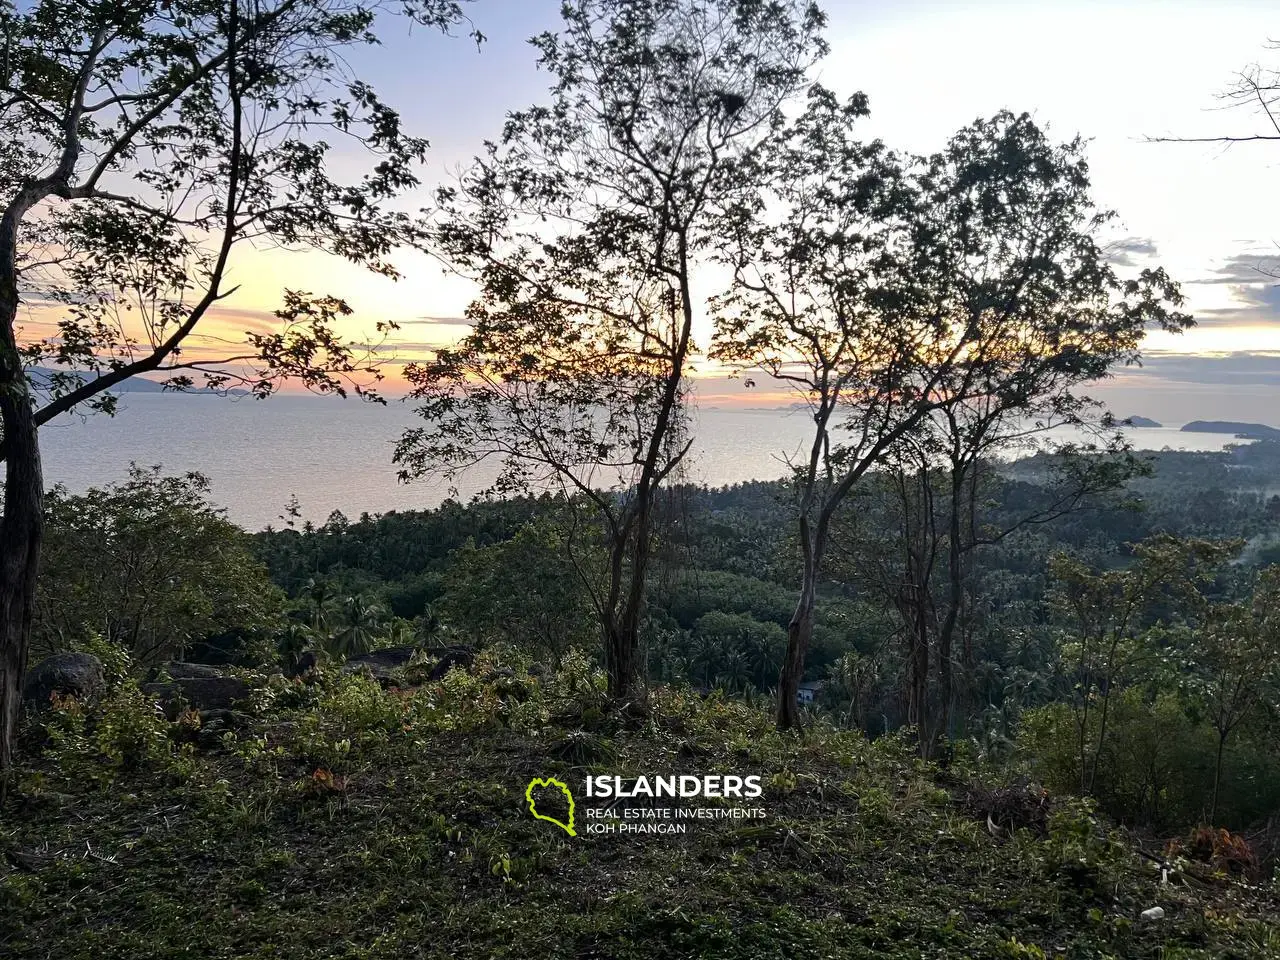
(344, 821)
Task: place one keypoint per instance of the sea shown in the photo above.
(336, 455)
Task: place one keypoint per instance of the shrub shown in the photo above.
(1156, 765)
(124, 732)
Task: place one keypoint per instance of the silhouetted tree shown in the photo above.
(891, 290)
(143, 141)
(583, 225)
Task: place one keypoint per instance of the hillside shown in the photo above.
(336, 819)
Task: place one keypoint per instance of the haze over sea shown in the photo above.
(336, 455)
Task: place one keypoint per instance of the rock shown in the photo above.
(68, 674)
(1155, 913)
(389, 658)
(305, 664)
(178, 670)
(381, 664)
(452, 657)
(200, 693)
(226, 718)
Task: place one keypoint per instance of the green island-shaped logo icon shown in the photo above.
(533, 807)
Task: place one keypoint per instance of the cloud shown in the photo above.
(435, 322)
(1240, 368)
(1253, 287)
(1246, 268)
(416, 347)
(1130, 251)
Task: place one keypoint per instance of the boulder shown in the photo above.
(381, 664)
(180, 670)
(452, 657)
(200, 693)
(67, 674)
(389, 658)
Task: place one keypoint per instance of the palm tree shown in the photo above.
(734, 672)
(293, 641)
(401, 633)
(320, 595)
(360, 622)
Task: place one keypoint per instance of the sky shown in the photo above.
(1116, 73)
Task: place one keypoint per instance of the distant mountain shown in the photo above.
(41, 376)
(1245, 431)
(1142, 422)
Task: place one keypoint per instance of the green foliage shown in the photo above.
(117, 663)
(123, 733)
(151, 566)
(355, 627)
(1082, 852)
(690, 594)
(351, 799)
(1111, 637)
(734, 650)
(534, 590)
(1155, 768)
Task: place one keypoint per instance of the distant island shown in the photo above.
(1141, 422)
(42, 377)
(1245, 431)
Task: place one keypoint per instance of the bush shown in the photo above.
(1156, 769)
(123, 732)
(153, 567)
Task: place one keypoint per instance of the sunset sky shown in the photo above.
(1114, 72)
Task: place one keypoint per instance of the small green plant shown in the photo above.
(123, 732)
(1081, 853)
(1016, 950)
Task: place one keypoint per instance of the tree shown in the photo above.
(359, 623)
(583, 225)
(1234, 655)
(734, 649)
(144, 141)
(526, 590)
(892, 290)
(1110, 631)
(917, 537)
(150, 565)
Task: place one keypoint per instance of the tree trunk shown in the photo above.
(799, 633)
(918, 688)
(955, 597)
(620, 663)
(1217, 778)
(21, 527)
(625, 659)
(813, 538)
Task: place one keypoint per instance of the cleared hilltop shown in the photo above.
(335, 818)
